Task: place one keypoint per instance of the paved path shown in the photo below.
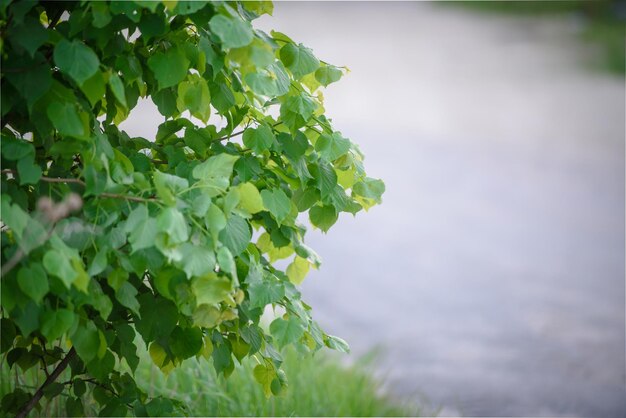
(494, 272)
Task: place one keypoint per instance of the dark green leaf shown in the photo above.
(76, 60)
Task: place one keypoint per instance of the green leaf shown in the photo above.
(277, 202)
(369, 191)
(323, 217)
(297, 270)
(194, 95)
(76, 60)
(197, 261)
(66, 119)
(169, 67)
(74, 407)
(59, 265)
(296, 111)
(198, 140)
(328, 74)
(172, 223)
(185, 342)
(325, 179)
(265, 292)
(28, 171)
(332, 146)
(286, 332)
(94, 88)
(265, 374)
(31, 84)
(168, 186)
(232, 31)
(337, 343)
(236, 235)
(144, 235)
(86, 341)
(126, 294)
(100, 368)
(33, 281)
(211, 288)
(158, 317)
(53, 389)
(56, 323)
(117, 87)
(30, 35)
(217, 167)
(259, 139)
(250, 198)
(271, 81)
(298, 59)
(306, 198)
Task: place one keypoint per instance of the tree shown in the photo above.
(173, 238)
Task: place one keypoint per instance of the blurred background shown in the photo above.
(492, 276)
(491, 279)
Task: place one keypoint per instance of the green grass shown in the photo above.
(318, 386)
(602, 26)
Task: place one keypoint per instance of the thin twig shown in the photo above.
(82, 183)
(53, 376)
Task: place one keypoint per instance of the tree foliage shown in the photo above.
(110, 241)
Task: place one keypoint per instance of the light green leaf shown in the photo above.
(298, 59)
(144, 235)
(59, 265)
(197, 260)
(265, 374)
(297, 270)
(76, 60)
(277, 202)
(168, 186)
(99, 263)
(194, 95)
(172, 223)
(211, 288)
(250, 198)
(219, 166)
(233, 32)
(337, 343)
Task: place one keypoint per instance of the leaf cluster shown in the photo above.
(109, 240)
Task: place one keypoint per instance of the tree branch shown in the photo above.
(53, 376)
(82, 183)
